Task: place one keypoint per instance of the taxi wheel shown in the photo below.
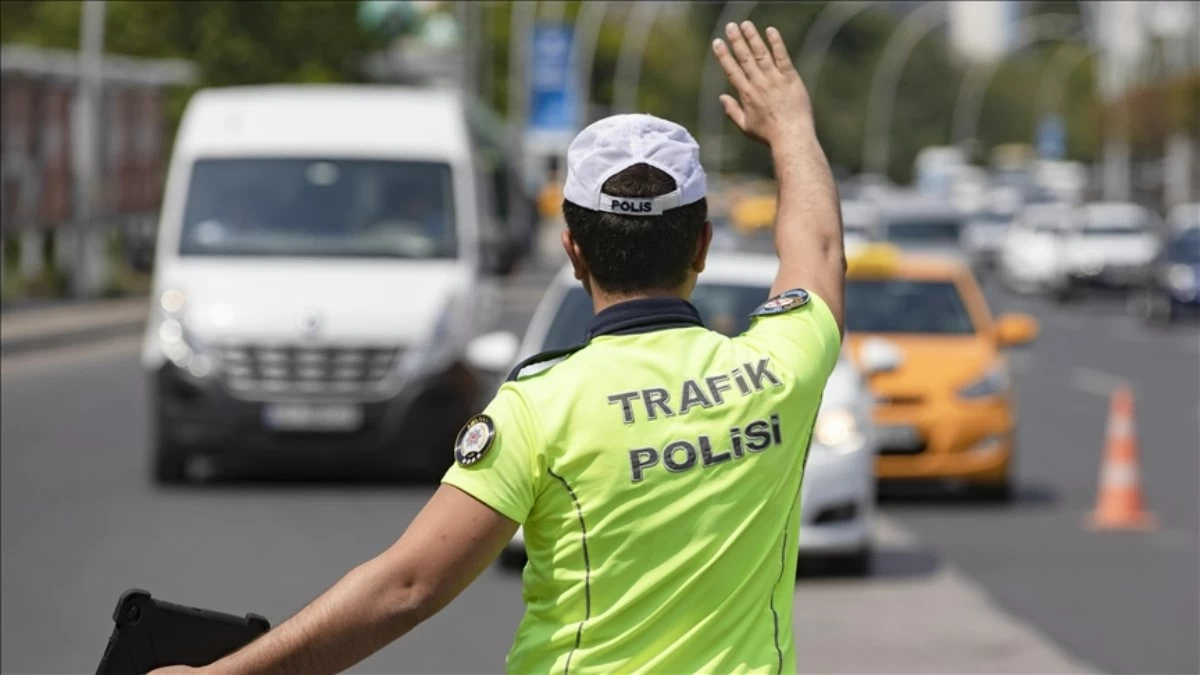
(1000, 493)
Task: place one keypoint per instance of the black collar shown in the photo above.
(642, 316)
(625, 318)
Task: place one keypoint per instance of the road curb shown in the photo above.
(33, 343)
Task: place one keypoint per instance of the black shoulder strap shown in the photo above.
(543, 357)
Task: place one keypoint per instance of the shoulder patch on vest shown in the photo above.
(474, 440)
(784, 302)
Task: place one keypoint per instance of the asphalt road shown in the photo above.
(961, 588)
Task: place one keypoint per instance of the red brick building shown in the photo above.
(37, 93)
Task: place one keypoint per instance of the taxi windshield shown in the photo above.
(724, 308)
(905, 306)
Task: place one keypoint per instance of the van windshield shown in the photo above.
(319, 207)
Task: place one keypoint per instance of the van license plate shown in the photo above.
(312, 416)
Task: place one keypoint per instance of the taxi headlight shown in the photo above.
(994, 382)
(1181, 277)
(838, 431)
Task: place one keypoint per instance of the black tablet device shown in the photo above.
(151, 633)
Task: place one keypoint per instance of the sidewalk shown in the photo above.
(23, 330)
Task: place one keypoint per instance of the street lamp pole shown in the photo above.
(887, 77)
(89, 242)
(1054, 81)
(588, 24)
(521, 19)
(969, 105)
(628, 75)
(710, 113)
(818, 39)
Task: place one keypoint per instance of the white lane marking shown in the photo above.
(870, 626)
(46, 361)
(1097, 382)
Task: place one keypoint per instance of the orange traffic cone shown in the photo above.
(1119, 504)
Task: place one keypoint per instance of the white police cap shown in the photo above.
(613, 144)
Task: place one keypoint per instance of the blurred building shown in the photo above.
(37, 146)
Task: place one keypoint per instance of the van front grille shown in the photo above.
(305, 369)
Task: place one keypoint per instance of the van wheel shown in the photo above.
(170, 464)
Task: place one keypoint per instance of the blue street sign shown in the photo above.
(1051, 138)
(553, 99)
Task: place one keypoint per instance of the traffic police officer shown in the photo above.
(656, 467)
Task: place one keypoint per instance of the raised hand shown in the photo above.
(772, 100)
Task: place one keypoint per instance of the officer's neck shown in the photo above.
(602, 301)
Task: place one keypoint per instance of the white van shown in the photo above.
(319, 270)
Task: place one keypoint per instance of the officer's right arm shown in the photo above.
(773, 107)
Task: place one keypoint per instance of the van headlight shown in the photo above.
(179, 348)
(994, 382)
(838, 430)
(1181, 278)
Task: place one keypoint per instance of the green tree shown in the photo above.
(230, 42)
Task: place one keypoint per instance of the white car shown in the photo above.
(838, 497)
(1184, 217)
(860, 222)
(1062, 248)
(917, 223)
(986, 229)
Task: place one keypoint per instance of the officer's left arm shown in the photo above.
(451, 541)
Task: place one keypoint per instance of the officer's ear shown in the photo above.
(702, 248)
(575, 255)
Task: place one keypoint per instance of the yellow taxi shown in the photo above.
(753, 213)
(945, 404)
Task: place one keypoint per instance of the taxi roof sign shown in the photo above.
(875, 260)
(753, 213)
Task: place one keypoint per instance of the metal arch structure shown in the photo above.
(588, 24)
(911, 30)
(1060, 69)
(628, 74)
(521, 19)
(810, 57)
(969, 105)
(710, 113)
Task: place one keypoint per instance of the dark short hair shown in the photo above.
(629, 254)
